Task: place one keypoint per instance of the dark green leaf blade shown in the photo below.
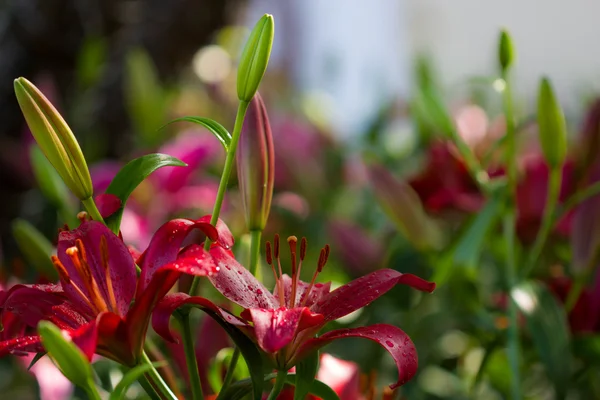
(213, 126)
(306, 371)
(547, 324)
(131, 175)
(240, 388)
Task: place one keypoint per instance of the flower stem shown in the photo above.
(279, 382)
(190, 357)
(230, 372)
(229, 161)
(554, 182)
(157, 380)
(509, 226)
(91, 208)
(577, 198)
(91, 391)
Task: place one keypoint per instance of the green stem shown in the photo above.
(157, 380)
(230, 372)
(92, 392)
(509, 222)
(279, 382)
(554, 182)
(481, 177)
(255, 237)
(513, 326)
(190, 357)
(91, 208)
(229, 161)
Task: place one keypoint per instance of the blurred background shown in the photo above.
(346, 91)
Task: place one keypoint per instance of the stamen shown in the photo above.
(82, 216)
(388, 394)
(302, 249)
(299, 270)
(292, 242)
(64, 275)
(105, 264)
(323, 256)
(277, 280)
(79, 258)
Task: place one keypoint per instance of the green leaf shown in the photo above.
(547, 324)
(129, 378)
(67, 356)
(222, 134)
(35, 248)
(306, 371)
(247, 347)
(91, 60)
(146, 98)
(587, 347)
(239, 389)
(223, 360)
(131, 175)
(49, 181)
(468, 249)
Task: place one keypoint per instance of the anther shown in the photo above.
(302, 249)
(292, 242)
(276, 246)
(82, 216)
(81, 248)
(268, 253)
(60, 268)
(106, 265)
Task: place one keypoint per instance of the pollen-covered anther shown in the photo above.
(78, 256)
(83, 216)
(66, 280)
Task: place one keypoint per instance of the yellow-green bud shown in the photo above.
(256, 165)
(506, 51)
(55, 138)
(255, 58)
(551, 125)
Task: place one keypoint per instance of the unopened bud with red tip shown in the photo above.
(255, 58)
(256, 165)
(55, 138)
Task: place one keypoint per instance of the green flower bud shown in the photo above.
(506, 51)
(55, 138)
(255, 58)
(256, 164)
(68, 357)
(551, 125)
(402, 205)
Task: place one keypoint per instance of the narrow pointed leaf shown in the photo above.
(547, 324)
(35, 248)
(131, 175)
(35, 359)
(306, 371)
(222, 134)
(130, 377)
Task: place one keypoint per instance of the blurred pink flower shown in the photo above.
(359, 252)
(585, 315)
(53, 384)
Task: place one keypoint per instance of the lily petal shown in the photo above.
(362, 291)
(25, 344)
(194, 261)
(114, 341)
(237, 284)
(167, 306)
(31, 303)
(276, 328)
(107, 204)
(393, 339)
(165, 244)
(86, 338)
(121, 265)
(225, 239)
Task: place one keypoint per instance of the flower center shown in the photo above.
(94, 297)
(296, 269)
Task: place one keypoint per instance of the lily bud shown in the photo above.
(255, 58)
(506, 51)
(55, 138)
(399, 201)
(551, 125)
(256, 164)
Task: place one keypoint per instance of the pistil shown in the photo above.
(105, 264)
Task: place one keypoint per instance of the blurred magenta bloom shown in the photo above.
(585, 315)
(98, 283)
(360, 253)
(284, 324)
(445, 183)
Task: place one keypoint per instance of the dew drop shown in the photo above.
(389, 343)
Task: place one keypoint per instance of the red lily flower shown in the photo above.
(98, 283)
(284, 324)
(585, 315)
